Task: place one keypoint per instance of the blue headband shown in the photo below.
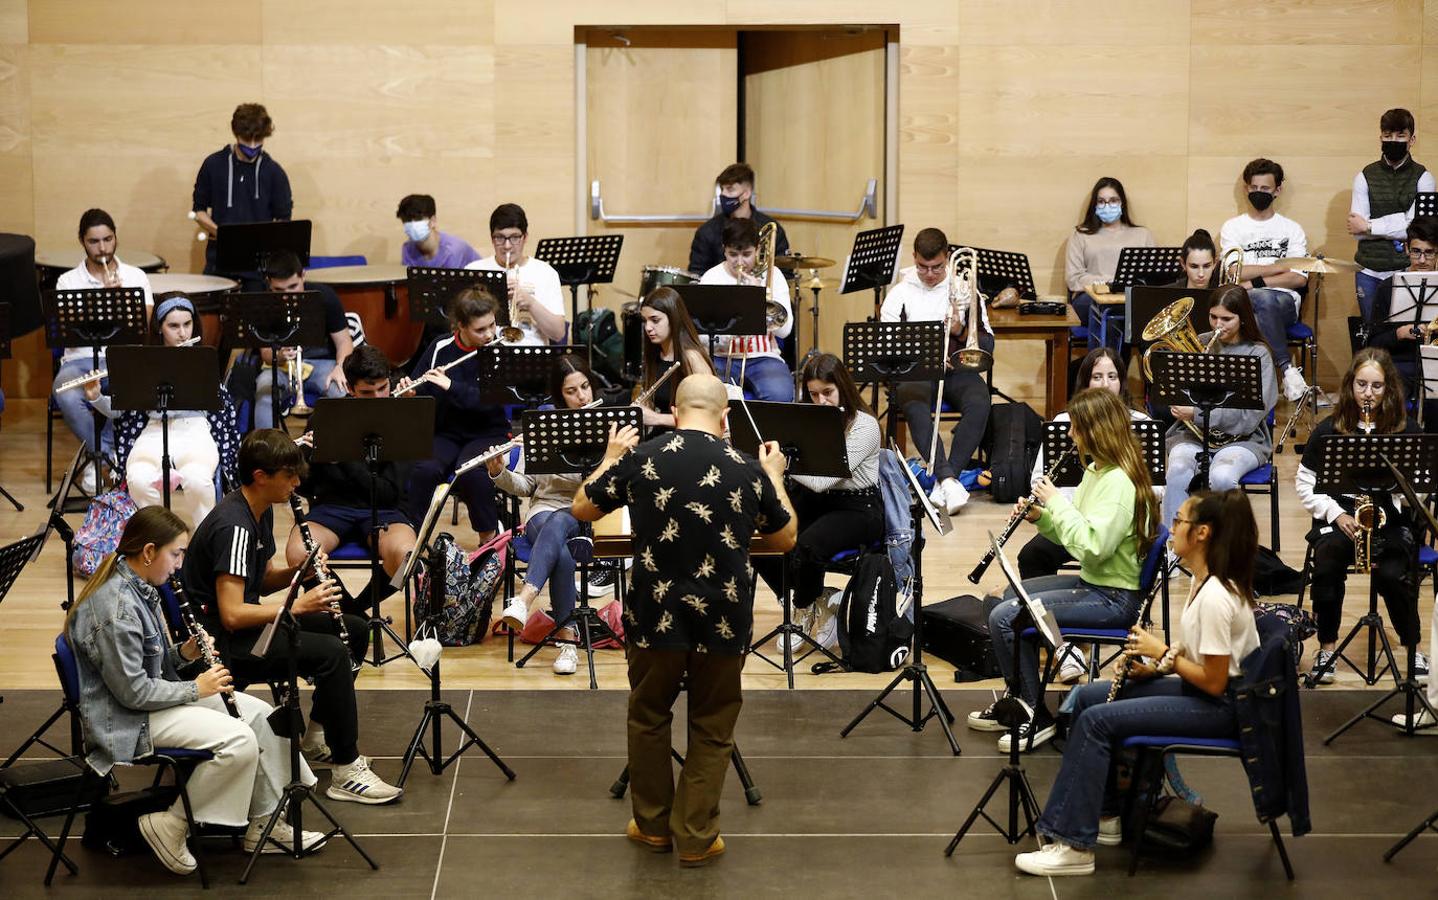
(171, 304)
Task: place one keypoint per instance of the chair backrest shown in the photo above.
(68, 668)
(1148, 575)
(334, 262)
(171, 605)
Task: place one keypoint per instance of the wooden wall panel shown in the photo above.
(928, 133)
(143, 22)
(466, 23)
(14, 21)
(1241, 22)
(1119, 23)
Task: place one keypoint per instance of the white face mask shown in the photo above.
(417, 230)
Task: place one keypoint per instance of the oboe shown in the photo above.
(1121, 676)
(202, 640)
(320, 568)
(1017, 517)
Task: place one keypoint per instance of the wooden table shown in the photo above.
(379, 295)
(1053, 331)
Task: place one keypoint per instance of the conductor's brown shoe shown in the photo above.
(648, 841)
(715, 850)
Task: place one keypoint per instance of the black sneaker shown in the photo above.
(1420, 667)
(1322, 660)
(986, 719)
(601, 581)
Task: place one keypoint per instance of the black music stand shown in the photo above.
(811, 437)
(1143, 302)
(162, 379)
(1425, 204)
(94, 318)
(1150, 437)
(914, 669)
(511, 374)
(431, 290)
(288, 721)
(557, 442)
(1414, 301)
(374, 430)
(1147, 265)
(5, 354)
(871, 262)
(1013, 712)
(13, 559)
(889, 353)
(588, 259)
(1207, 381)
(1000, 269)
(274, 320)
(731, 309)
(244, 247)
(1355, 464)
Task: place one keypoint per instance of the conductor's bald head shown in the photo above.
(700, 403)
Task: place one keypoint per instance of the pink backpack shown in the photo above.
(99, 534)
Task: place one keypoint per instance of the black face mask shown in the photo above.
(727, 205)
(1395, 151)
(1261, 200)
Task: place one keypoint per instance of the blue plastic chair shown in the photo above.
(1264, 480)
(334, 262)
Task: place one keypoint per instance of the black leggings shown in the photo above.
(1394, 555)
(1041, 557)
(829, 523)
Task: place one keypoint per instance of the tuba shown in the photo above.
(964, 298)
(774, 313)
(1171, 332)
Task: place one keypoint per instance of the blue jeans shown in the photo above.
(1275, 311)
(1074, 603)
(1166, 706)
(1366, 286)
(79, 417)
(549, 532)
(315, 383)
(766, 377)
(1229, 465)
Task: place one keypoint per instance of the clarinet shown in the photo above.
(1017, 517)
(321, 569)
(1121, 676)
(202, 640)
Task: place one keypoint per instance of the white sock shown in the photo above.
(314, 735)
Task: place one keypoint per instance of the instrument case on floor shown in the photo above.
(957, 631)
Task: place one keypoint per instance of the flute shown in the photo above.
(104, 373)
(203, 641)
(444, 368)
(648, 392)
(1017, 517)
(486, 456)
(322, 570)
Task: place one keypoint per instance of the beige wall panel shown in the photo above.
(14, 21)
(1126, 23)
(1430, 21)
(1426, 112)
(1058, 100)
(661, 126)
(1232, 22)
(837, 12)
(534, 155)
(928, 134)
(17, 211)
(143, 22)
(1313, 103)
(365, 22)
(359, 197)
(554, 21)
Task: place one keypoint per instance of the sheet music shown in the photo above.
(1415, 302)
(426, 530)
(1044, 621)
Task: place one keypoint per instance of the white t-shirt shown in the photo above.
(1264, 242)
(1217, 622)
(752, 345)
(540, 277)
(920, 303)
(80, 279)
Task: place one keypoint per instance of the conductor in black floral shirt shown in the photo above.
(695, 503)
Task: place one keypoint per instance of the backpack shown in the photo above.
(608, 359)
(873, 635)
(455, 593)
(1015, 432)
(99, 534)
(1272, 576)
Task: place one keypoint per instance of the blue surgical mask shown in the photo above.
(249, 152)
(727, 205)
(417, 230)
(1108, 213)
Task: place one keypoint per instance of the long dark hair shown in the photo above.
(565, 366)
(830, 369)
(683, 336)
(1391, 414)
(151, 525)
(1091, 223)
(1233, 538)
(1234, 298)
(1085, 372)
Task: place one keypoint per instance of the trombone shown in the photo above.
(774, 313)
(1230, 268)
(965, 302)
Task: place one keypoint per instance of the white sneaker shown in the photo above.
(1294, 386)
(567, 662)
(955, 495)
(283, 833)
(1056, 858)
(1322, 660)
(1420, 667)
(1042, 736)
(166, 836)
(1073, 663)
(87, 479)
(1110, 831)
(313, 745)
(358, 783)
(1425, 721)
(986, 719)
(828, 633)
(516, 613)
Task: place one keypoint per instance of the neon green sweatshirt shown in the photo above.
(1097, 528)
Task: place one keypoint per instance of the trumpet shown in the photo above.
(99, 374)
(202, 640)
(297, 370)
(444, 368)
(323, 572)
(1018, 516)
(511, 332)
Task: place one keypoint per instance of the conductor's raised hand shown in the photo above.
(214, 681)
(773, 460)
(319, 598)
(621, 441)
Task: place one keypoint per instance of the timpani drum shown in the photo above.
(379, 296)
(52, 263)
(652, 277)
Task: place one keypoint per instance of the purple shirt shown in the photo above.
(453, 253)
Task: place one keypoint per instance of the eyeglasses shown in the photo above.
(506, 238)
(1415, 253)
(932, 270)
(1178, 519)
(1109, 203)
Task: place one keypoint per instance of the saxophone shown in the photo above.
(1366, 513)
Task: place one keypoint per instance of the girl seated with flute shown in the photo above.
(670, 339)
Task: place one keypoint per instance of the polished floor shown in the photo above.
(865, 816)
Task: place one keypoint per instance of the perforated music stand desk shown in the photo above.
(431, 289)
(94, 318)
(519, 374)
(1147, 265)
(1150, 437)
(889, 353)
(871, 262)
(1425, 204)
(1000, 269)
(243, 247)
(1143, 302)
(1207, 381)
(811, 436)
(274, 320)
(725, 309)
(586, 259)
(162, 379)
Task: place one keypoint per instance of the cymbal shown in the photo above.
(803, 262)
(1320, 264)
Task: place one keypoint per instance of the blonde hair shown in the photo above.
(151, 525)
(1103, 430)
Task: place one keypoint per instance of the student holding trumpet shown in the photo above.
(284, 274)
(537, 300)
